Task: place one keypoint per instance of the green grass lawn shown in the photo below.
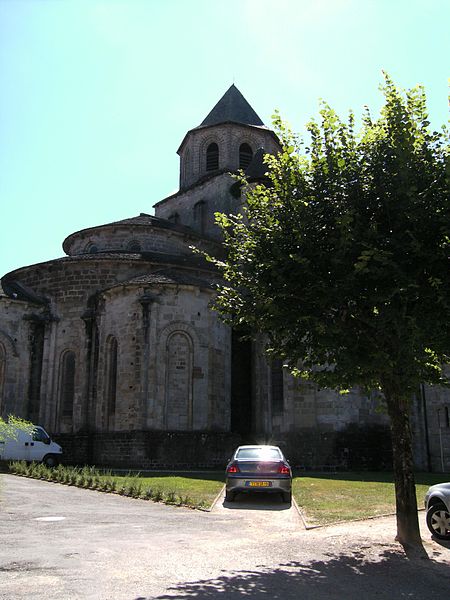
(330, 498)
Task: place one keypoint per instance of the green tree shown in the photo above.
(9, 428)
(342, 260)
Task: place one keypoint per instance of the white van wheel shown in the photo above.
(50, 460)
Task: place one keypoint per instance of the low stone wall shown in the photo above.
(355, 448)
(149, 449)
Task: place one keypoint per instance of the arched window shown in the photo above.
(2, 374)
(277, 385)
(179, 381)
(200, 216)
(134, 246)
(67, 384)
(111, 376)
(91, 248)
(212, 157)
(245, 156)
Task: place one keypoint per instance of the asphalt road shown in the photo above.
(59, 542)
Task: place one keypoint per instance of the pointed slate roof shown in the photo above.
(232, 107)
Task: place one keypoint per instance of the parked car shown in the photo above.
(437, 505)
(34, 446)
(258, 469)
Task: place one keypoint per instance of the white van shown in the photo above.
(34, 446)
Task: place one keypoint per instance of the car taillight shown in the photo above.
(284, 470)
(233, 469)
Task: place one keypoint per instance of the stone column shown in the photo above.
(90, 387)
(42, 396)
(146, 302)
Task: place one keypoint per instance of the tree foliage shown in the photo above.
(9, 428)
(342, 259)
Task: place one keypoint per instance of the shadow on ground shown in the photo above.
(257, 501)
(443, 543)
(343, 577)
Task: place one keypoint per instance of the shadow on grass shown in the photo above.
(336, 577)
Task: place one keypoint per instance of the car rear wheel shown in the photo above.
(438, 521)
(229, 496)
(287, 497)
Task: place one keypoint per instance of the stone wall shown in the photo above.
(149, 449)
(437, 417)
(356, 448)
(74, 279)
(178, 321)
(196, 207)
(119, 238)
(15, 355)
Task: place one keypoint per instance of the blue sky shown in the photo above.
(96, 96)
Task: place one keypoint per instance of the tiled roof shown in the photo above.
(143, 219)
(18, 291)
(232, 107)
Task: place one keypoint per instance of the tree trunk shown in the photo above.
(408, 532)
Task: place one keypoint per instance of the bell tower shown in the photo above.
(226, 140)
(231, 137)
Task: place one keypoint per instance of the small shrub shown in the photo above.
(187, 501)
(113, 485)
(171, 497)
(58, 473)
(147, 494)
(104, 485)
(81, 479)
(73, 477)
(130, 487)
(137, 490)
(14, 466)
(158, 495)
(39, 471)
(122, 489)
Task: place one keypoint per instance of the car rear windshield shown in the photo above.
(259, 453)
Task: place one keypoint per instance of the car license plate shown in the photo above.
(258, 483)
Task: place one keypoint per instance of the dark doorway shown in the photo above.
(241, 384)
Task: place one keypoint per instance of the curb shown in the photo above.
(216, 499)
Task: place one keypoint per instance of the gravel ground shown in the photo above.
(59, 542)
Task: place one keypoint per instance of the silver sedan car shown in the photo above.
(437, 505)
(258, 469)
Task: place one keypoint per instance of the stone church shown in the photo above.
(115, 350)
